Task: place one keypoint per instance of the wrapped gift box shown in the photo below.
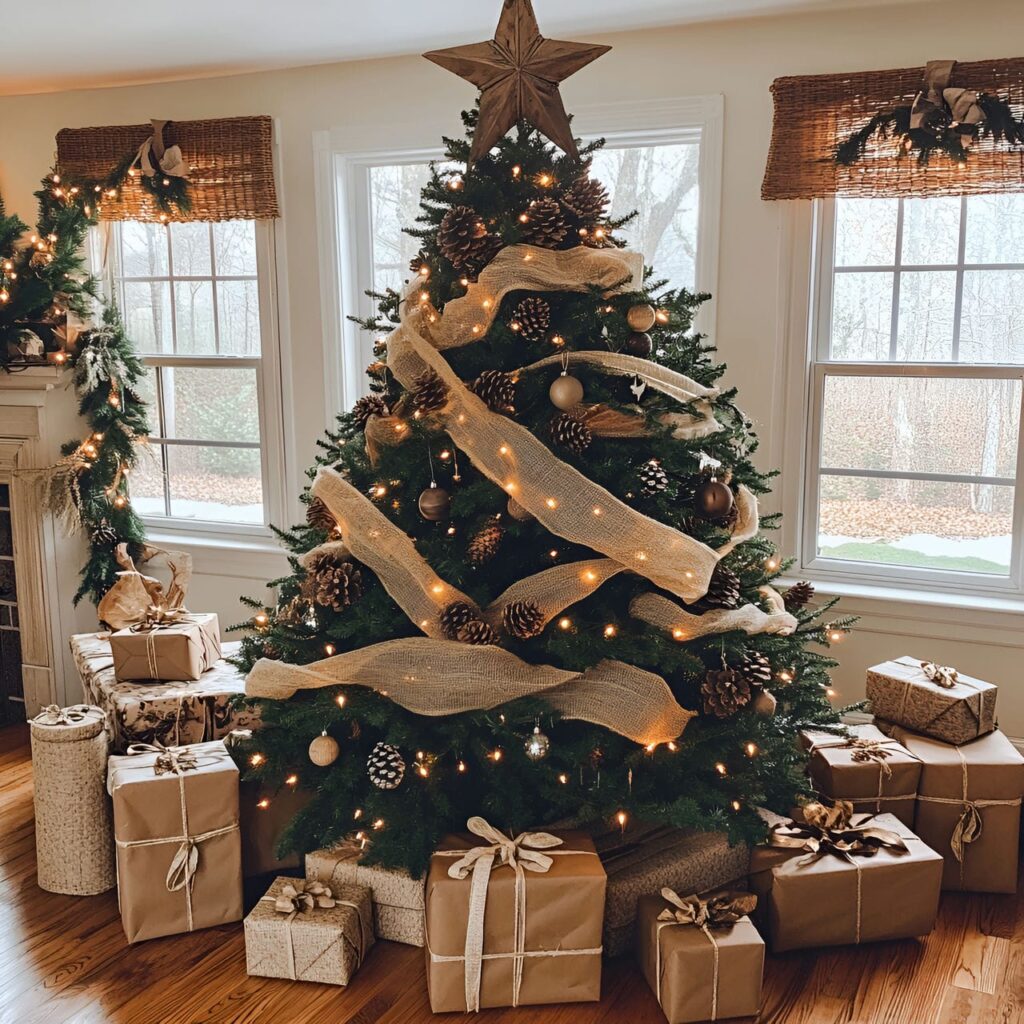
(306, 931)
(180, 650)
(647, 858)
(179, 859)
(699, 973)
(806, 901)
(901, 692)
(869, 769)
(968, 807)
(171, 713)
(474, 941)
(397, 896)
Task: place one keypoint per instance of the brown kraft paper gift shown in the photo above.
(932, 699)
(968, 808)
(867, 768)
(179, 650)
(179, 862)
(834, 898)
(548, 891)
(703, 958)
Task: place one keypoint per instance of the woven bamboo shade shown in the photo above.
(231, 163)
(815, 112)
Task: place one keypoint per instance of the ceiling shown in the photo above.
(58, 44)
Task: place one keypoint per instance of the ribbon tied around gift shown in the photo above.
(836, 831)
(941, 675)
(169, 759)
(54, 714)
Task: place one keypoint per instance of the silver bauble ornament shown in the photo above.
(517, 512)
(713, 499)
(324, 750)
(435, 503)
(565, 392)
(537, 745)
(641, 317)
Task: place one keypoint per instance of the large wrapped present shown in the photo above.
(837, 877)
(179, 859)
(169, 713)
(397, 896)
(968, 808)
(702, 957)
(647, 858)
(179, 647)
(932, 699)
(868, 769)
(513, 922)
(306, 931)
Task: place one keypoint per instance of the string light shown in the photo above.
(516, 171)
(120, 501)
(544, 180)
(378, 824)
(552, 553)
(721, 769)
(610, 631)
(357, 814)
(340, 700)
(263, 804)
(551, 503)
(495, 755)
(678, 634)
(256, 760)
(329, 649)
(771, 564)
(621, 817)
(750, 749)
(736, 805)
(461, 767)
(785, 676)
(672, 746)
(563, 778)
(565, 623)
(292, 780)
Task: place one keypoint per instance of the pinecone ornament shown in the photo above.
(333, 584)
(367, 406)
(319, 516)
(429, 392)
(798, 595)
(103, 533)
(587, 200)
(653, 479)
(463, 238)
(756, 669)
(477, 632)
(533, 315)
(455, 616)
(571, 432)
(545, 225)
(497, 389)
(724, 691)
(484, 544)
(723, 588)
(523, 619)
(385, 766)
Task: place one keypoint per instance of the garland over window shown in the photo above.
(903, 132)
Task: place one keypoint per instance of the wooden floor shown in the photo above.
(65, 959)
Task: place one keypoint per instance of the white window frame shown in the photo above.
(268, 390)
(810, 364)
(342, 176)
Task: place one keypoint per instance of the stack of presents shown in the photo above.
(926, 798)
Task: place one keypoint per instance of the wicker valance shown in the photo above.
(230, 161)
(815, 112)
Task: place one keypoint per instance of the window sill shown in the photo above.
(254, 556)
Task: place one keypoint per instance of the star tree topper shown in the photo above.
(518, 72)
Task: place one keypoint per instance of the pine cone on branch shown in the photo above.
(756, 669)
(429, 392)
(523, 619)
(484, 544)
(333, 584)
(367, 406)
(723, 588)
(478, 633)
(545, 224)
(724, 692)
(319, 516)
(653, 479)
(463, 239)
(497, 389)
(455, 616)
(587, 200)
(798, 595)
(571, 432)
(533, 315)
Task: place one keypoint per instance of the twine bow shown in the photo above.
(168, 159)
(168, 759)
(836, 831)
(299, 897)
(54, 714)
(941, 675)
(864, 751)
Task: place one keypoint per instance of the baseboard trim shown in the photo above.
(863, 718)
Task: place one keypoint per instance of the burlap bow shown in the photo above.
(54, 714)
(168, 160)
(158, 616)
(519, 852)
(130, 600)
(941, 675)
(938, 103)
(301, 896)
(836, 831)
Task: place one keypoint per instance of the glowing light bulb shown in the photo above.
(256, 760)
(263, 804)
(565, 623)
(495, 755)
(551, 503)
(552, 553)
(357, 814)
(610, 631)
(461, 767)
(340, 700)
(736, 805)
(563, 778)
(621, 817)
(378, 824)
(678, 634)
(750, 749)
(292, 780)
(329, 650)
(721, 769)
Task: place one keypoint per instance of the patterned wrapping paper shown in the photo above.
(171, 713)
(397, 896)
(325, 944)
(900, 692)
(179, 650)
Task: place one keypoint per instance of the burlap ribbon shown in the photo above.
(938, 101)
(54, 714)
(522, 853)
(669, 615)
(942, 675)
(716, 911)
(154, 158)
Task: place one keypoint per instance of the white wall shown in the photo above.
(407, 101)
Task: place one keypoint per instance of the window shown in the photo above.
(917, 380)
(195, 303)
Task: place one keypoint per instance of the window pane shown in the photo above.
(147, 315)
(660, 184)
(906, 424)
(995, 229)
(956, 527)
(866, 232)
(234, 247)
(190, 246)
(931, 230)
(992, 317)
(927, 306)
(238, 312)
(861, 316)
(215, 484)
(193, 318)
(394, 205)
(146, 483)
(146, 387)
(212, 405)
(143, 249)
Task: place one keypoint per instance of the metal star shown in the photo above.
(518, 72)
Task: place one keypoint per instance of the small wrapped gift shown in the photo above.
(176, 645)
(179, 859)
(935, 700)
(702, 957)
(397, 896)
(838, 877)
(968, 808)
(306, 931)
(866, 768)
(513, 922)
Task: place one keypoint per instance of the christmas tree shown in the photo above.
(532, 584)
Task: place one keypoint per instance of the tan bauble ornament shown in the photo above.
(565, 392)
(765, 703)
(518, 513)
(435, 503)
(641, 317)
(324, 750)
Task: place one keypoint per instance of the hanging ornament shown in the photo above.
(641, 317)
(324, 750)
(638, 387)
(435, 502)
(765, 703)
(713, 499)
(385, 766)
(517, 512)
(652, 478)
(639, 344)
(537, 745)
(566, 392)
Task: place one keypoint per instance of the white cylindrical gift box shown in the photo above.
(74, 834)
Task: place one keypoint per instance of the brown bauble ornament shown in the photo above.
(639, 344)
(713, 499)
(324, 750)
(435, 503)
(565, 392)
(518, 513)
(641, 317)
(765, 703)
